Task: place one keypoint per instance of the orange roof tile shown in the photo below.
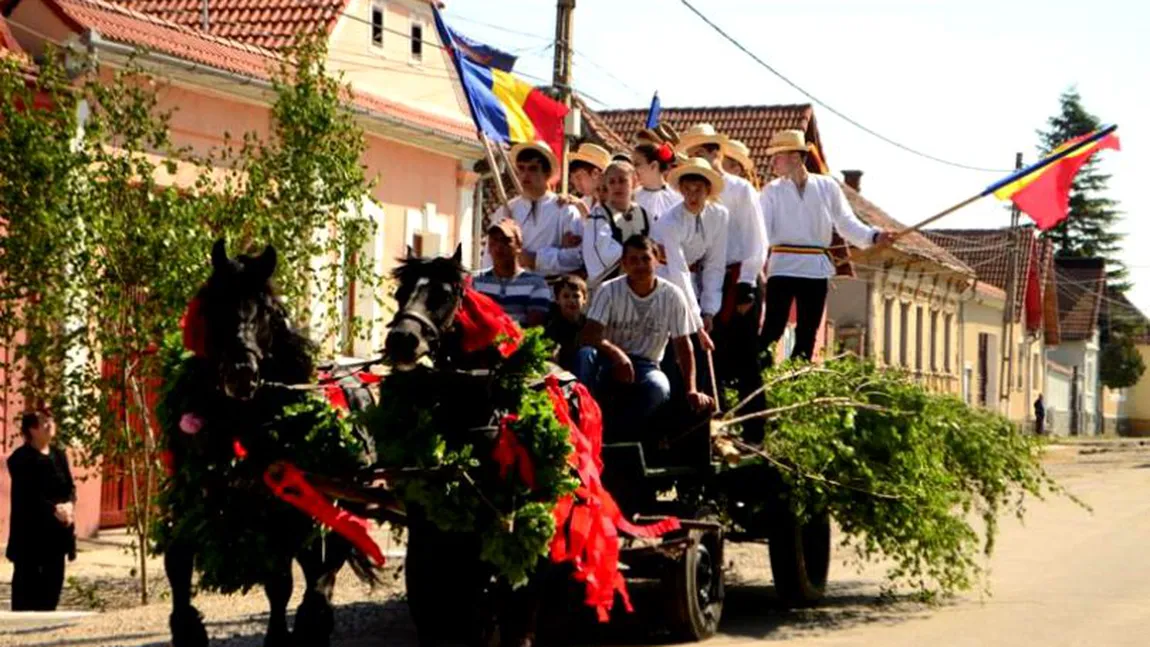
(988, 251)
(1081, 282)
(914, 243)
(264, 23)
(753, 125)
(7, 40)
(126, 26)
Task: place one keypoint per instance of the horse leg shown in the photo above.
(186, 623)
(278, 590)
(315, 618)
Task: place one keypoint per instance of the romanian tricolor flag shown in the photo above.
(1042, 190)
(505, 108)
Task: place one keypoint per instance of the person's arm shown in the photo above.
(753, 228)
(715, 264)
(685, 357)
(675, 269)
(558, 259)
(846, 222)
(600, 249)
(592, 335)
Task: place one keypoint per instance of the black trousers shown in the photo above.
(37, 582)
(809, 297)
(737, 362)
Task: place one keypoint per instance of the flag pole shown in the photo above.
(1037, 166)
(495, 171)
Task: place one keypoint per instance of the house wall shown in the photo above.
(391, 71)
(1137, 405)
(982, 315)
(879, 297)
(1083, 355)
(1056, 398)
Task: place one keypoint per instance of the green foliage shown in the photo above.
(1090, 231)
(901, 470)
(219, 503)
(101, 254)
(423, 421)
(1120, 365)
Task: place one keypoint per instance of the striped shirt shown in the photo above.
(519, 295)
(638, 325)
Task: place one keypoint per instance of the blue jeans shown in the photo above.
(635, 402)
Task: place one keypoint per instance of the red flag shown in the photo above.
(1044, 193)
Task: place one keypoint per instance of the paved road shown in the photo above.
(1068, 577)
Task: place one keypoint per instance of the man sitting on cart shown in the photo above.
(628, 325)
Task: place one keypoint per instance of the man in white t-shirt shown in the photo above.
(628, 325)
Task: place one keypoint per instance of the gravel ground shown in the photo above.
(101, 577)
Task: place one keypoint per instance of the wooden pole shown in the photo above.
(564, 25)
(511, 170)
(495, 171)
(1006, 364)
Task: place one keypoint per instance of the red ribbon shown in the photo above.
(192, 324)
(665, 153)
(291, 486)
(509, 452)
(589, 522)
(484, 323)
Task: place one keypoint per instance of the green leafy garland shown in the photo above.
(900, 469)
(220, 504)
(420, 423)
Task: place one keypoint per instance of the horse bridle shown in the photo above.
(431, 332)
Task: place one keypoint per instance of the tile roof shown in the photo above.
(987, 252)
(914, 243)
(753, 125)
(7, 40)
(1081, 282)
(264, 23)
(596, 128)
(120, 24)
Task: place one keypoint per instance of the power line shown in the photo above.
(500, 28)
(829, 108)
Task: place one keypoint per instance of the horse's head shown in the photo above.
(239, 313)
(428, 296)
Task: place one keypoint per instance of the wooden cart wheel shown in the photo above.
(694, 586)
(800, 558)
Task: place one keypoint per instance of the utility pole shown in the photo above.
(564, 24)
(1009, 349)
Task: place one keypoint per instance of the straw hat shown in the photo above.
(786, 141)
(739, 152)
(592, 154)
(540, 146)
(698, 135)
(700, 167)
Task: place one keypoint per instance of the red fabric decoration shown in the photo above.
(484, 323)
(238, 448)
(192, 323)
(168, 461)
(589, 522)
(665, 153)
(291, 486)
(509, 452)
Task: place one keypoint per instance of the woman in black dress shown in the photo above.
(42, 531)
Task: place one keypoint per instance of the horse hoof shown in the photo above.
(278, 637)
(188, 628)
(314, 623)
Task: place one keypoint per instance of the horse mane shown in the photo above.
(289, 358)
(445, 270)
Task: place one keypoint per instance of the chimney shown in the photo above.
(852, 179)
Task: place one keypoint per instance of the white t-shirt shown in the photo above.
(638, 325)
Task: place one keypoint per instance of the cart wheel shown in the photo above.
(800, 558)
(694, 587)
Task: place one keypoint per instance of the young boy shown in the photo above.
(567, 323)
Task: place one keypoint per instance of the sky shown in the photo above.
(968, 81)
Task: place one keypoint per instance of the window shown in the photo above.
(903, 322)
(946, 344)
(934, 341)
(887, 324)
(377, 25)
(416, 41)
(1035, 373)
(918, 339)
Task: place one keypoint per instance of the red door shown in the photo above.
(116, 490)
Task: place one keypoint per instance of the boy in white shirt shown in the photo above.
(552, 230)
(628, 325)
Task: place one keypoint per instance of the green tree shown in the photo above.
(1120, 364)
(100, 256)
(1090, 229)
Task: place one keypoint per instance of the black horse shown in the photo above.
(235, 388)
(443, 571)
